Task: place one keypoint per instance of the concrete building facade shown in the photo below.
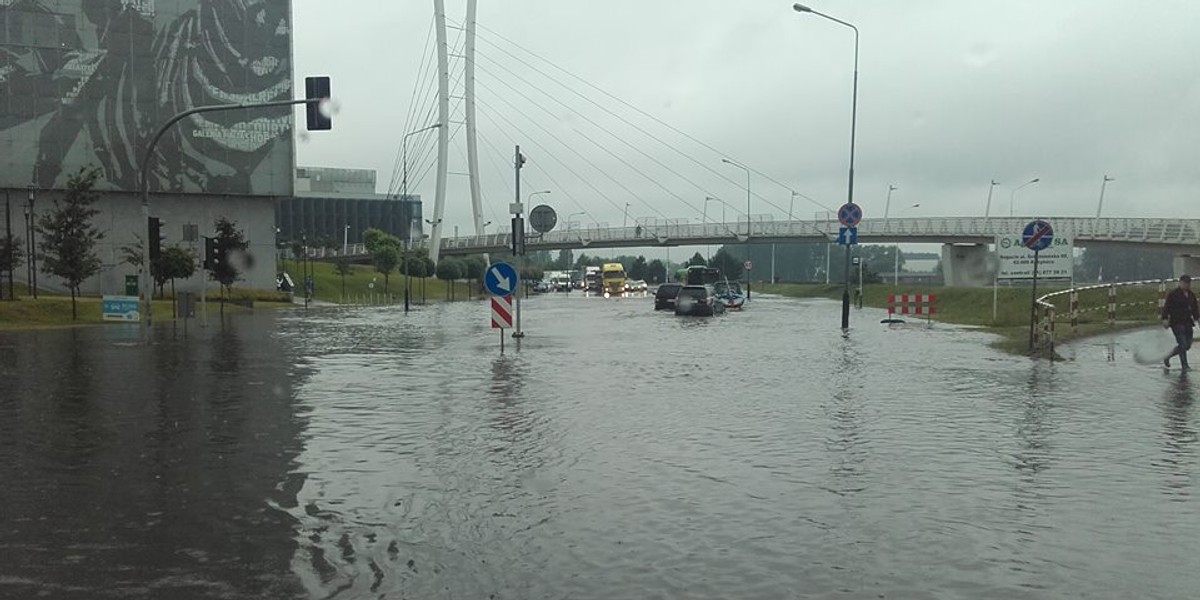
(86, 84)
(328, 199)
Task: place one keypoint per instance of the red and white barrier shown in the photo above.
(912, 304)
(502, 312)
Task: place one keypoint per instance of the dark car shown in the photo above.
(697, 301)
(664, 296)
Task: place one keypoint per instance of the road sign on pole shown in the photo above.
(1038, 235)
(502, 312)
(848, 236)
(501, 279)
(748, 265)
(850, 214)
(543, 218)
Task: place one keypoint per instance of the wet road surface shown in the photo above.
(620, 453)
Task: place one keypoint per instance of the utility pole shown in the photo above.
(518, 238)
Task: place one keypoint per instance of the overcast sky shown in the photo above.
(952, 94)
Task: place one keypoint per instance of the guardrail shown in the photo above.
(1047, 312)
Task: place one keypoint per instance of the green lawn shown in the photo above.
(973, 306)
(358, 288)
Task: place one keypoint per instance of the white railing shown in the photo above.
(1047, 311)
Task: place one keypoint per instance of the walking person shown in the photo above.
(1179, 313)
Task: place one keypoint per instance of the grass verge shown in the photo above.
(973, 307)
(359, 290)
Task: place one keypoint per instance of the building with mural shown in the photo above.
(86, 83)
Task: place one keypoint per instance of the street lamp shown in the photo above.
(346, 240)
(1100, 205)
(404, 179)
(32, 242)
(800, 8)
(1013, 195)
(987, 209)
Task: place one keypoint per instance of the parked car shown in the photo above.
(697, 301)
(664, 296)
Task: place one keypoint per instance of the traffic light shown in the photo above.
(212, 254)
(319, 118)
(156, 239)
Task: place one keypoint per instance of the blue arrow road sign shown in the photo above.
(501, 279)
(1038, 235)
(850, 214)
(848, 236)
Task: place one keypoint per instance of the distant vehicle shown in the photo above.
(701, 275)
(591, 280)
(730, 294)
(636, 285)
(664, 296)
(541, 287)
(613, 277)
(697, 301)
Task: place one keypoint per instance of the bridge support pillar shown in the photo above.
(966, 265)
(1187, 264)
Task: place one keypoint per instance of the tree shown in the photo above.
(342, 267)
(176, 262)
(68, 236)
(638, 269)
(11, 257)
(386, 258)
(730, 266)
(448, 270)
(474, 268)
(229, 242)
(656, 271)
(697, 260)
(564, 260)
(374, 238)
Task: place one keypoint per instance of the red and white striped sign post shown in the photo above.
(502, 315)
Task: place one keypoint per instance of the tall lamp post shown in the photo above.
(987, 209)
(887, 209)
(1013, 196)
(32, 242)
(1100, 204)
(404, 198)
(747, 170)
(800, 8)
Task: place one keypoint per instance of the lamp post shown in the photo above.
(800, 8)
(32, 242)
(346, 240)
(404, 198)
(625, 218)
(987, 209)
(1012, 196)
(1100, 204)
(887, 209)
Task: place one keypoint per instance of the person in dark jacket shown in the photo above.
(1179, 313)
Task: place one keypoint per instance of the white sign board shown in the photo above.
(1016, 261)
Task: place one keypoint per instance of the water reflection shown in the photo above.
(1178, 459)
(133, 470)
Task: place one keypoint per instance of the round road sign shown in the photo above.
(850, 214)
(1038, 235)
(543, 218)
(749, 265)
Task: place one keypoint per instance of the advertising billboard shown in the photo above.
(88, 82)
(1016, 261)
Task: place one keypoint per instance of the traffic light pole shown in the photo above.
(146, 283)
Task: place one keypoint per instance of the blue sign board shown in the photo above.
(501, 279)
(1038, 236)
(850, 214)
(848, 236)
(121, 308)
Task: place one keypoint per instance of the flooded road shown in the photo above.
(620, 453)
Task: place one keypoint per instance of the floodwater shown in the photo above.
(619, 453)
